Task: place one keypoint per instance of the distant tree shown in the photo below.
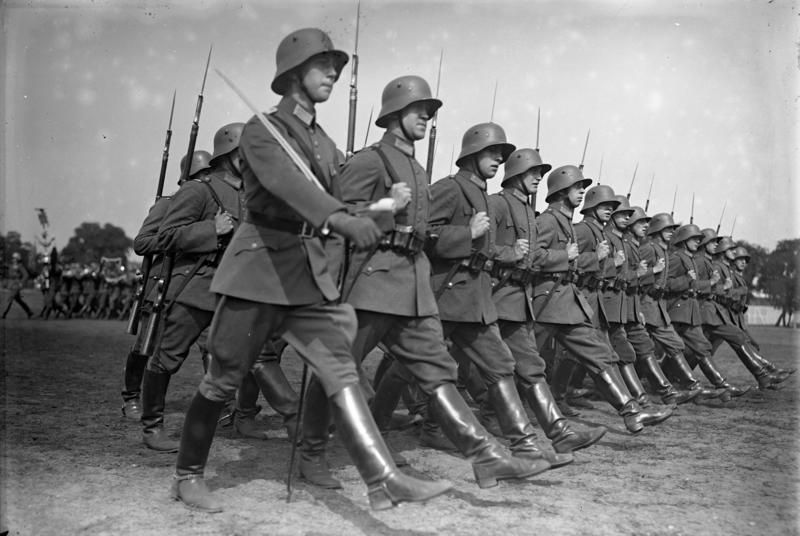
(92, 242)
(12, 243)
(779, 279)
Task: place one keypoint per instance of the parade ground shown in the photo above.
(71, 465)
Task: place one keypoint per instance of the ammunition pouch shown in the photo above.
(654, 292)
(633, 290)
(518, 276)
(615, 284)
(478, 262)
(403, 240)
(562, 278)
(591, 282)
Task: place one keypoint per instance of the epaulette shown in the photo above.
(205, 178)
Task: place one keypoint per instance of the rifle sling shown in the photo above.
(296, 135)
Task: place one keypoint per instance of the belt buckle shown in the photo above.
(307, 231)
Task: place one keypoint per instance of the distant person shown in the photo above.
(17, 277)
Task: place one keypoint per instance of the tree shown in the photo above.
(779, 278)
(92, 242)
(12, 243)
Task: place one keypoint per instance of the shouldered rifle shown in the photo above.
(169, 258)
(674, 198)
(721, 215)
(585, 146)
(532, 198)
(630, 188)
(351, 118)
(147, 260)
(432, 137)
(649, 191)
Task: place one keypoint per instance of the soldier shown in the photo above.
(560, 307)
(635, 321)
(515, 227)
(18, 276)
(274, 281)
(652, 285)
(682, 288)
(390, 287)
(713, 255)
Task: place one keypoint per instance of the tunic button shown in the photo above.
(319, 157)
(450, 284)
(254, 245)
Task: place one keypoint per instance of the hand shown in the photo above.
(619, 258)
(692, 274)
(401, 193)
(715, 277)
(521, 248)
(223, 222)
(362, 232)
(728, 283)
(603, 249)
(641, 269)
(478, 224)
(660, 265)
(572, 251)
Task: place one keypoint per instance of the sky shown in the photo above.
(702, 96)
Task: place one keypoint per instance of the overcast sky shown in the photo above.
(701, 94)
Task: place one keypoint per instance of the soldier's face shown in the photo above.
(488, 161)
(575, 194)
(711, 247)
(639, 229)
(692, 244)
(666, 234)
(740, 264)
(531, 180)
(414, 118)
(317, 76)
(621, 219)
(730, 254)
(603, 211)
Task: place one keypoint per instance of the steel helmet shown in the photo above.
(481, 136)
(685, 232)
(709, 235)
(227, 139)
(299, 46)
(637, 215)
(725, 243)
(741, 253)
(200, 161)
(659, 222)
(403, 91)
(597, 195)
(521, 161)
(624, 204)
(564, 177)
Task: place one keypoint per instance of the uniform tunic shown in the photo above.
(614, 298)
(657, 319)
(588, 235)
(717, 323)
(683, 307)
(634, 319)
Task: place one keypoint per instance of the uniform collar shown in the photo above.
(560, 207)
(402, 145)
(616, 232)
(289, 106)
(471, 177)
(516, 193)
(589, 220)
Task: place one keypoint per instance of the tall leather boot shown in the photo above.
(188, 485)
(709, 368)
(781, 374)
(685, 376)
(387, 486)
(560, 382)
(477, 389)
(154, 393)
(668, 393)
(610, 382)
(244, 416)
(388, 393)
(278, 392)
(131, 393)
(747, 355)
(490, 461)
(558, 429)
(313, 464)
(516, 426)
(634, 384)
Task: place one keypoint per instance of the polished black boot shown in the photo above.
(709, 368)
(313, 464)
(781, 374)
(154, 392)
(278, 393)
(490, 461)
(387, 486)
(668, 393)
(558, 429)
(560, 383)
(188, 486)
(516, 426)
(131, 394)
(611, 384)
(634, 384)
(747, 355)
(388, 392)
(244, 416)
(685, 376)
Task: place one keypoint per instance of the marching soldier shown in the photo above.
(18, 276)
(652, 288)
(274, 280)
(682, 288)
(560, 307)
(515, 227)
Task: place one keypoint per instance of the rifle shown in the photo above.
(532, 200)
(691, 214)
(147, 260)
(674, 197)
(649, 191)
(630, 188)
(351, 121)
(169, 258)
(585, 145)
(721, 215)
(432, 137)
(494, 99)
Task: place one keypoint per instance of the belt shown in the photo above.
(558, 277)
(686, 294)
(478, 262)
(591, 283)
(402, 240)
(518, 276)
(299, 228)
(615, 284)
(654, 292)
(631, 290)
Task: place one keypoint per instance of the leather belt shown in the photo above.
(299, 228)
(402, 240)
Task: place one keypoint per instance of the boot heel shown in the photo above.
(484, 477)
(379, 498)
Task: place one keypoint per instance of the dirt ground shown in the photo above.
(72, 465)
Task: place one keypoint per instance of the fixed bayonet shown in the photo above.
(585, 146)
(674, 198)
(351, 120)
(434, 120)
(649, 191)
(494, 99)
(369, 124)
(600, 173)
(633, 179)
(721, 215)
(691, 213)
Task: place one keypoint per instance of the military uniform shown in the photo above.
(17, 276)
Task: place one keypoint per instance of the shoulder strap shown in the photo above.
(217, 200)
(393, 175)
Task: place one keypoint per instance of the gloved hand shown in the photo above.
(362, 232)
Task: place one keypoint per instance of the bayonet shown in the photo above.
(721, 215)
(351, 120)
(538, 124)
(369, 124)
(585, 145)
(649, 191)
(494, 99)
(434, 120)
(630, 188)
(733, 225)
(691, 213)
(600, 173)
(674, 198)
